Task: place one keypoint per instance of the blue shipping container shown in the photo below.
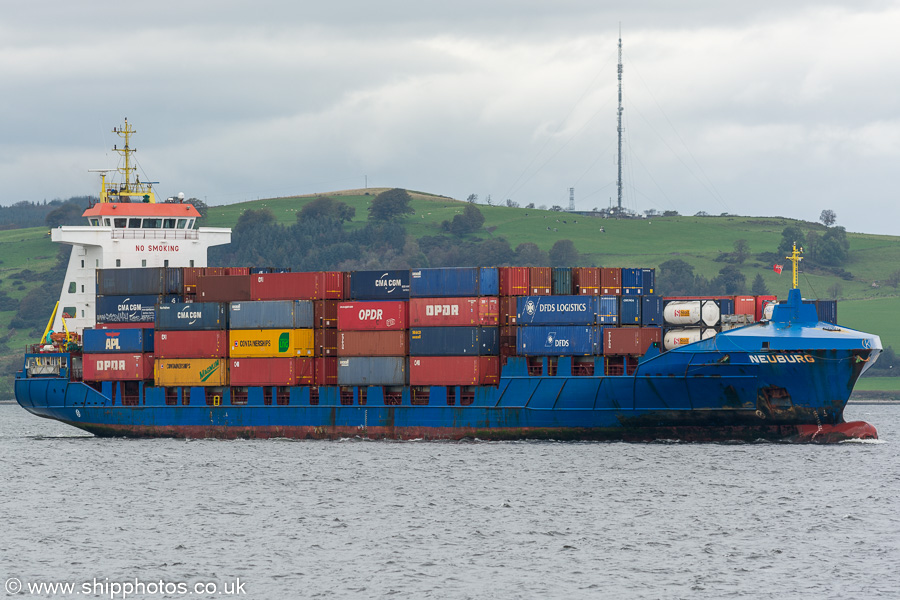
(556, 310)
(140, 281)
(827, 310)
(454, 341)
(629, 310)
(562, 281)
(192, 316)
(304, 315)
(632, 282)
(726, 306)
(373, 370)
(130, 341)
(454, 282)
(651, 310)
(608, 311)
(558, 340)
(649, 281)
(130, 309)
(264, 314)
(379, 285)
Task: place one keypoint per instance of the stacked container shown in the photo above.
(372, 346)
(191, 344)
(117, 354)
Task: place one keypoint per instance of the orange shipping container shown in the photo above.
(514, 281)
(611, 282)
(586, 280)
(541, 281)
(373, 343)
(745, 305)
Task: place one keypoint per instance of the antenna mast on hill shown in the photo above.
(619, 181)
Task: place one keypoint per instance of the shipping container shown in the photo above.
(557, 340)
(439, 312)
(744, 305)
(629, 310)
(610, 281)
(454, 282)
(620, 341)
(326, 371)
(117, 367)
(586, 281)
(270, 342)
(372, 370)
(827, 310)
(325, 313)
(287, 286)
(691, 312)
(507, 311)
(556, 310)
(191, 344)
(331, 285)
(378, 285)
(726, 306)
(562, 281)
(632, 282)
(271, 314)
(373, 315)
(326, 342)
(132, 341)
(148, 325)
(372, 343)
(514, 281)
(141, 281)
(682, 336)
(650, 336)
(608, 310)
(649, 280)
(454, 341)
(761, 302)
(223, 288)
(454, 370)
(264, 371)
(130, 309)
(540, 281)
(192, 316)
(191, 371)
(651, 310)
(189, 276)
(235, 271)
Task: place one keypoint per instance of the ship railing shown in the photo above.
(47, 365)
(155, 234)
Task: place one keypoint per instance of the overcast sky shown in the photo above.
(764, 108)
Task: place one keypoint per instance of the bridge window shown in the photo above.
(106, 221)
(152, 223)
(168, 223)
(191, 224)
(182, 223)
(95, 222)
(118, 262)
(120, 222)
(134, 223)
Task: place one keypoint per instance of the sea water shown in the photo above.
(160, 518)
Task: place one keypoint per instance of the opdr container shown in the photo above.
(379, 285)
(428, 312)
(454, 341)
(372, 343)
(191, 344)
(540, 281)
(191, 316)
(629, 310)
(372, 370)
(117, 367)
(557, 340)
(556, 310)
(454, 281)
(514, 281)
(130, 309)
(372, 315)
(191, 371)
(132, 341)
(454, 370)
(270, 342)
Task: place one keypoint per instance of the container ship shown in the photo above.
(147, 340)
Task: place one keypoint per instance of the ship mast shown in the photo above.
(619, 181)
(131, 189)
(795, 259)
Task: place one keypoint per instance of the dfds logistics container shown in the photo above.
(454, 370)
(191, 344)
(117, 367)
(372, 370)
(454, 341)
(372, 343)
(556, 310)
(271, 314)
(155, 281)
(372, 316)
(131, 309)
(454, 282)
(378, 285)
(434, 312)
(558, 340)
(131, 341)
(271, 371)
(191, 371)
(192, 316)
(244, 343)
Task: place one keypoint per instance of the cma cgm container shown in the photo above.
(540, 281)
(454, 370)
(130, 309)
(434, 312)
(454, 341)
(132, 341)
(651, 310)
(372, 316)
(379, 285)
(117, 367)
(608, 310)
(192, 316)
(556, 310)
(124, 326)
(514, 281)
(223, 288)
(561, 280)
(191, 344)
(557, 340)
(372, 343)
(372, 370)
(454, 281)
(155, 281)
(271, 314)
(271, 371)
(270, 342)
(191, 371)
(629, 310)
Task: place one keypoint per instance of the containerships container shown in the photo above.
(130, 309)
(132, 341)
(454, 281)
(156, 281)
(608, 310)
(454, 370)
(191, 371)
(192, 316)
(372, 315)
(377, 370)
(629, 309)
(379, 285)
(270, 342)
(191, 344)
(514, 281)
(372, 343)
(435, 312)
(557, 340)
(556, 310)
(454, 341)
(117, 367)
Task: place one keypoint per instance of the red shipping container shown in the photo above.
(649, 336)
(124, 325)
(745, 305)
(610, 282)
(304, 370)
(286, 286)
(236, 271)
(220, 271)
(325, 313)
(332, 285)
(117, 367)
(262, 371)
(372, 316)
(454, 370)
(508, 310)
(586, 280)
(541, 281)
(620, 341)
(326, 342)
(761, 302)
(373, 343)
(190, 344)
(452, 312)
(189, 276)
(223, 288)
(326, 371)
(514, 281)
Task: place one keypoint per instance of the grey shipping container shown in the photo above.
(373, 370)
(271, 314)
(192, 316)
(139, 281)
(454, 341)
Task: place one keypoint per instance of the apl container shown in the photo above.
(372, 343)
(651, 310)
(454, 281)
(540, 281)
(682, 336)
(691, 312)
(130, 309)
(608, 310)
(270, 342)
(131, 341)
(372, 315)
(556, 310)
(372, 370)
(191, 344)
(191, 371)
(514, 281)
(379, 285)
(561, 278)
(629, 310)
(117, 367)
(557, 340)
(454, 341)
(632, 282)
(454, 370)
(435, 312)
(223, 288)
(192, 316)
(140, 281)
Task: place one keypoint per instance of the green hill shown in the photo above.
(865, 303)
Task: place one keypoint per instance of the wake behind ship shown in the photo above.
(152, 342)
